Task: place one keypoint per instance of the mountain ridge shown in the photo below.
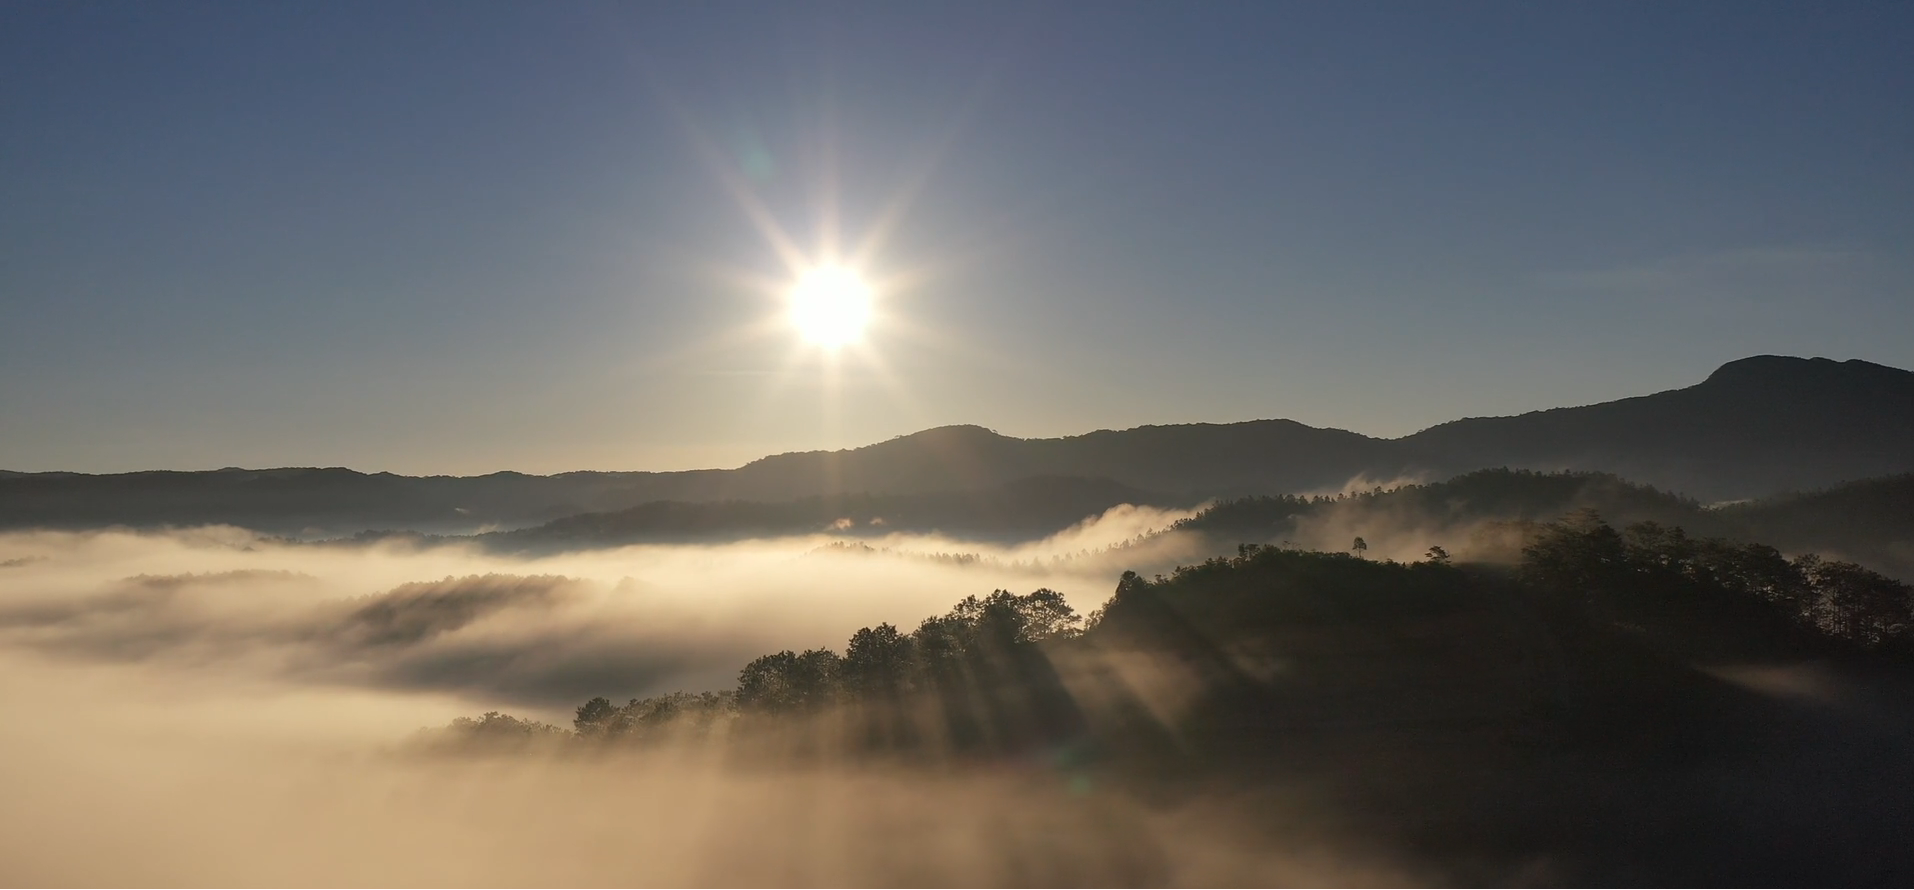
(1753, 427)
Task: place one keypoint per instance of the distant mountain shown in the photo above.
(1755, 427)
(1202, 458)
(1026, 508)
(296, 500)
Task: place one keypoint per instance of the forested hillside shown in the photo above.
(1596, 681)
(1489, 513)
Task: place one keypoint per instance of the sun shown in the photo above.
(830, 306)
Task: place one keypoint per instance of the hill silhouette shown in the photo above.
(1755, 427)
(1489, 514)
(1200, 458)
(1026, 508)
(1566, 711)
(1870, 522)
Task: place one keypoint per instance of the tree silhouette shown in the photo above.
(989, 674)
(877, 663)
(789, 682)
(594, 716)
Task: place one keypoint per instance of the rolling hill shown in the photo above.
(1755, 427)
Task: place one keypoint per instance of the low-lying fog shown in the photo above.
(210, 707)
(467, 629)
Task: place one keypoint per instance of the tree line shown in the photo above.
(989, 674)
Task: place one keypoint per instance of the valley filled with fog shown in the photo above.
(216, 705)
(498, 630)
(219, 707)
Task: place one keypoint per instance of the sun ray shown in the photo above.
(901, 397)
(845, 303)
(740, 192)
(902, 199)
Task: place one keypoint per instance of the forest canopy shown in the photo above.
(1008, 672)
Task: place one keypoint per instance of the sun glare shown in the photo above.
(830, 306)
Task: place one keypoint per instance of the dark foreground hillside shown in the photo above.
(1624, 707)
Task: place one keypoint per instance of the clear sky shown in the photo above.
(465, 237)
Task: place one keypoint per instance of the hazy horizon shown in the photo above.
(407, 239)
(744, 459)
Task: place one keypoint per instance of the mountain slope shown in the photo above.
(1755, 427)
(1870, 522)
(1259, 455)
(1020, 510)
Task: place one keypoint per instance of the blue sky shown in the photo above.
(465, 237)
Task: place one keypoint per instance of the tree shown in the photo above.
(788, 681)
(1437, 555)
(1579, 553)
(496, 729)
(594, 716)
(1859, 605)
(1004, 619)
(1043, 614)
(1360, 546)
(877, 662)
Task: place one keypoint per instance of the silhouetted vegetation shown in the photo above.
(652, 719)
(1496, 494)
(493, 731)
(1567, 707)
(1007, 671)
(1491, 512)
(1870, 521)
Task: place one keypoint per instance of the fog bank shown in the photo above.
(538, 634)
(208, 706)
